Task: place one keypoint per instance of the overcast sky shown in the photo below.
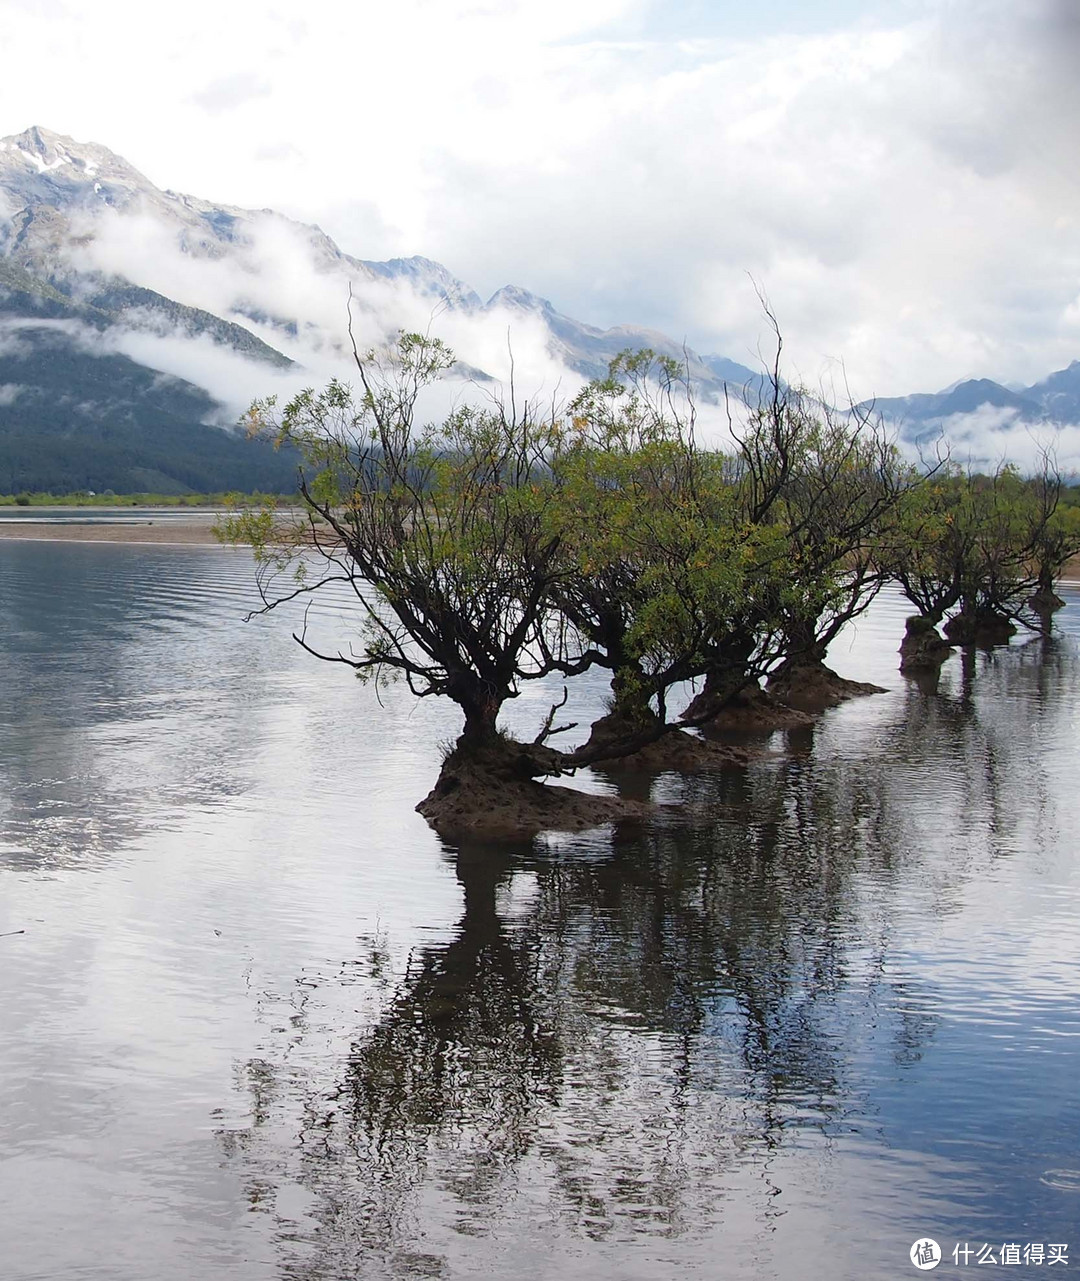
(900, 178)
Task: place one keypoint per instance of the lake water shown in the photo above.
(261, 1022)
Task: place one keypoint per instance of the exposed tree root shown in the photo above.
(754, 710)
(682, 752)
(676, 750)
(1046, 601)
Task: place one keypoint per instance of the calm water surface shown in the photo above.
(261, 1022)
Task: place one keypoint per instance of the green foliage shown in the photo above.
(663, 566)
(502, 545)
(442, 531)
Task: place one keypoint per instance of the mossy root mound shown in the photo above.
(811, 687)
(923, 649)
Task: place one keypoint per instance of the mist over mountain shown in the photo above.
(986, 421)
(187, 310)
(137, 323)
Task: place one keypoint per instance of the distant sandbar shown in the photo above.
(193, 530)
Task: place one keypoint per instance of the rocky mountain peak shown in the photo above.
(428, 277)
(522, 299)
(48, 147)
(48, 162)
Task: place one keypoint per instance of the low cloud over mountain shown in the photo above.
(130, 313)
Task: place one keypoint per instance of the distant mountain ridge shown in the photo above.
(77, 416)
(56, 199)
(61, 185)
(101, 360)
(1053, 400)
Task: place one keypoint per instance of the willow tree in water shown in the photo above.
(841, 494)
(818, 487)
(503, 545)
(667, 576)
(443, 536)
(1056, 541)
(458, 543)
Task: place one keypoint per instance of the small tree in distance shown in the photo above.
(980, 553)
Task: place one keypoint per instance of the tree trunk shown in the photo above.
(488, 783)
(1046, 602)
(722, 689)
(728, 681)
(803, 681)
(802, 645)
(631, 712)
(479, 733)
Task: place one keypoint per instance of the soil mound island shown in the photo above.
(495, 793)
(676, 750)
(752, 710)
(922, 649)
(811, 687)
(1046, 602)
(982, 628)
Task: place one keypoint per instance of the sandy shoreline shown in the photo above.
(194, 531)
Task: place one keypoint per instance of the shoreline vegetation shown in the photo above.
(194, 530)
(153, 519)
(84, 498)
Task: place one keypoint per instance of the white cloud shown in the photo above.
(993, 435)
(279, 273)
(906, 195)
(13, 327)
(230, 92)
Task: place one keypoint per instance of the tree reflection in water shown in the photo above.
(599, 1054)
(621, 1032)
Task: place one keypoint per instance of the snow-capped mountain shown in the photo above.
(201, 306)
(193, 308)
(58, 189)
(78, 211)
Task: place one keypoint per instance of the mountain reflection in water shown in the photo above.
(816, 1009)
